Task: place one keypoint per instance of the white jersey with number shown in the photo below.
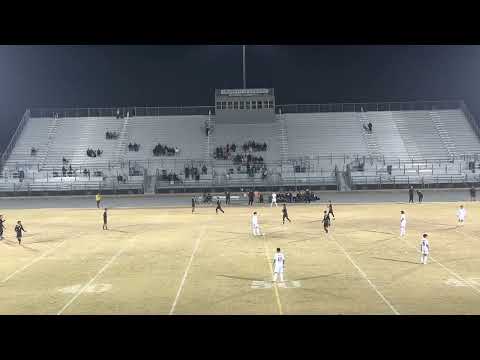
(279, 259)
(403, 220)
(274, 197)
(461, 214)
(424, 247)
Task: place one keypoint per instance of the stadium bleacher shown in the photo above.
(303, 149)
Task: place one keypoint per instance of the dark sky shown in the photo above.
(102, 76)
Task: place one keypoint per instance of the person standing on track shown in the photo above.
(326, 221)
(219, 207)
(278, 265)
(18, 229)
(250, 198)
(274, 200)
(420, 196)
(403, 223)
(105, 220)
(2, 227)
(98, 199)
(285, 213)
(410, 195)
(424, 249)
(193, 205)
(330, 209)
(473, 193)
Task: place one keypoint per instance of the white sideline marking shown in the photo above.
(368, 280)
(468, 283)
(87, 285)
(197, 243)
(49, 251)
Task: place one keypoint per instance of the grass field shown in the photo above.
(169, 261)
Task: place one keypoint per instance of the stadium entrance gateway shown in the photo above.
(244, 106)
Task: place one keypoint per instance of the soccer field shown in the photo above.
(169, 261)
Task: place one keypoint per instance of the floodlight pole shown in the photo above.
(244, 71)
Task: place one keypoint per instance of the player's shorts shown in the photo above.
(278, 269)
(461, 218)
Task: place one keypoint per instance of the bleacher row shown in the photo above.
(397, 136)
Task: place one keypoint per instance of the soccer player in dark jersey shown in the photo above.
(326, 221)
(473, 193)
(285, 213)
(1, 227)
(219, 207)
(410, 195)
(330, 208)
(18, 229)
(193, 205)
(420, 196)
(105, 220)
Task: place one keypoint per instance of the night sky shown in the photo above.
(104, 76)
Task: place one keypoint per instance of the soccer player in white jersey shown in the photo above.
(255, 225)
(278, 265)
(403, 223)
(424, 249)
(274, 200)
(461, 213)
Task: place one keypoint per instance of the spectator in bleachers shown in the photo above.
(370, 126)
(204, 169)
(207, 128)
(99, 152)
(33, 151)
(64, 171)
(130, 147)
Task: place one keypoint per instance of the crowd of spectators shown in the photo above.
(168, 177)
(301, 196)
(111, 135)
(162, 150)
(254, 146)
(133, 147)
(225, 152)
(93, 153)
(194, 173)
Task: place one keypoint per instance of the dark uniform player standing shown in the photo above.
(330, 208)
(219, 207)
(250, 198)
(420, 196)
(473, 193)
(326, 221)
(285, 214)
(18, 229)
(1, 227)
(105, 220)
(410, 195)
(193, 205)
(227, 198)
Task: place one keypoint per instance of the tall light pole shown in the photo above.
(244, 71)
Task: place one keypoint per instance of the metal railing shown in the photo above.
(112, 111)
(369, 106)
(206, 109)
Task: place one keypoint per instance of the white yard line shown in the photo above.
(182, 283)
(366, 278)
(446, 268)
(112, 259)
(269, 265)
(46, 253)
